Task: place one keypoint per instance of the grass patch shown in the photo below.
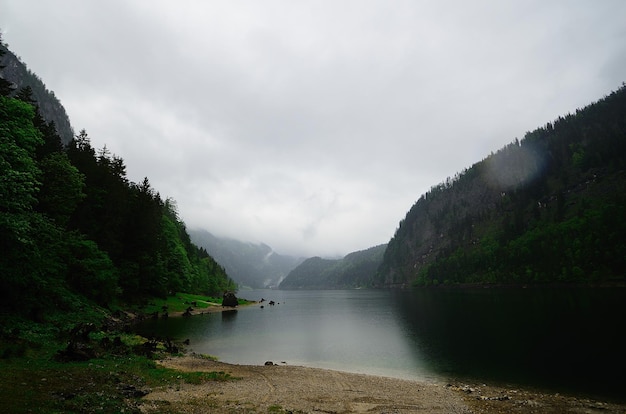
(33, 380)
(180, 302)
(108, 385)
(207, 357)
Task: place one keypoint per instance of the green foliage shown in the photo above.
(19, 171)
(91, 272)
(177, 263)
(61, 189)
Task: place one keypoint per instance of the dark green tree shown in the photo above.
(18, 169)
(61, 189)
(18, 195)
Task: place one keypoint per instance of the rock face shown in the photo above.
(229, 299)
(16, 72)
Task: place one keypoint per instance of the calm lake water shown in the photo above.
(570, 340)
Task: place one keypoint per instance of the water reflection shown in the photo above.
(229, 315)
(569, 339)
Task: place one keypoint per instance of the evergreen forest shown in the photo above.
(76, 231)
(549, 208)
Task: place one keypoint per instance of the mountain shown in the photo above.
(355, 270)
(550, 208)
(16, 72)
(248, 264)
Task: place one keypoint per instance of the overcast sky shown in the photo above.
(313, 126)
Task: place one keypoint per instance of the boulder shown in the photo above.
(229, 299)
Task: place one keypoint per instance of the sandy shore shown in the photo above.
(293, 389)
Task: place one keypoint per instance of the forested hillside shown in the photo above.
(550, 208)
(355, 270)
(74, 227)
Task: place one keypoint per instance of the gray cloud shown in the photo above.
(313, 126)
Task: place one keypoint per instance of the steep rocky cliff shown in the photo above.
(16, 72)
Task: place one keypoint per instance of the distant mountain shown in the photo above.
(353, 271)
(550, 208)
(248, 264)
(16, 72)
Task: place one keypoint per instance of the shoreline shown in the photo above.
(203, 311)
(297, 389)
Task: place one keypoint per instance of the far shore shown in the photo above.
(294, 389)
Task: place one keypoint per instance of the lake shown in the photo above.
(567, 340)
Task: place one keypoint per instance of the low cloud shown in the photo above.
(313, 126)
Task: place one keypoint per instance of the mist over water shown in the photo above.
(563, 340)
